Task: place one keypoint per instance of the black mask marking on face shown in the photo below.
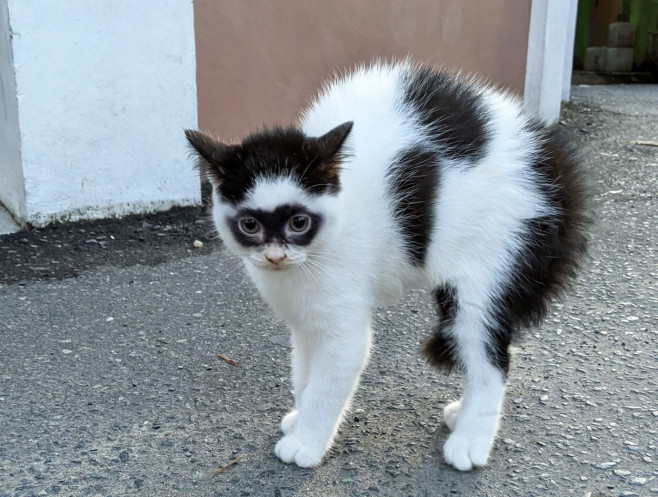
(274, 226)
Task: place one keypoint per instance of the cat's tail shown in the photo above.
(554, 248)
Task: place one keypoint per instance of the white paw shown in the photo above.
(464, 451)
(451, 413)
(291, 449)
(289, 421)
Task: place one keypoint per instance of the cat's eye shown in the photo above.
(249, 225)
(299, 224)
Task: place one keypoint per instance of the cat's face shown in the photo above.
(276, 195)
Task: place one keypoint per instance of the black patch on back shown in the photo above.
(439, 349)
(452, 111)
(413, 181)
(274, 224)
(553, 247)
(234, 169)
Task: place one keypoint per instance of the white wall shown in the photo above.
(12, 188)
(105, 89)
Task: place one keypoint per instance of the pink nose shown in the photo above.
(275, 253)
(276, 259)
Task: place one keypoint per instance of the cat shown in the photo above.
(400, 176)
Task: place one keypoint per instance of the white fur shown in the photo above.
(328, 290)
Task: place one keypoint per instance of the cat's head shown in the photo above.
(276, 194)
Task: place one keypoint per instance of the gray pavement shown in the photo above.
(630, 100)
(110, 383)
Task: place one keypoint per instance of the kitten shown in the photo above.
(398, 177)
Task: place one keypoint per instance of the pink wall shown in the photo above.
(258, 62)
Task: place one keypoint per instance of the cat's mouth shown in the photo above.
(276, 267)
(275, 257)
(271, 265)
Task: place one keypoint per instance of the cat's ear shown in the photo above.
(211, 154)
(331, 143)
(329, 152)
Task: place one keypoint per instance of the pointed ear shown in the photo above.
(211, 154)
(332, 142)
(326, 153)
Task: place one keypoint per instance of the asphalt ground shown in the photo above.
(111, 381)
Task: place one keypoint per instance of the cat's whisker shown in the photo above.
(335, 256)
(237, 265)
(309, 272)
(315, 265)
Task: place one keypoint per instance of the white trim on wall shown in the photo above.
(569, 50)
(550, 50)
(12, 183)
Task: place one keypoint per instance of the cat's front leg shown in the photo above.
(301, 366)
(337, 361)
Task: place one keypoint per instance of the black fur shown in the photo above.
(234, 169)
(452, 111)
(274, 226)
(413, 178)
(553, 249)
(440, 348)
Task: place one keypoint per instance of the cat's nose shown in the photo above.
(275, 254)
(276, 259)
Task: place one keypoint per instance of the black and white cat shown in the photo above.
(400, 177)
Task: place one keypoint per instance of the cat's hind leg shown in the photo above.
(466, 339)
(451, 413)
(289, 421)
